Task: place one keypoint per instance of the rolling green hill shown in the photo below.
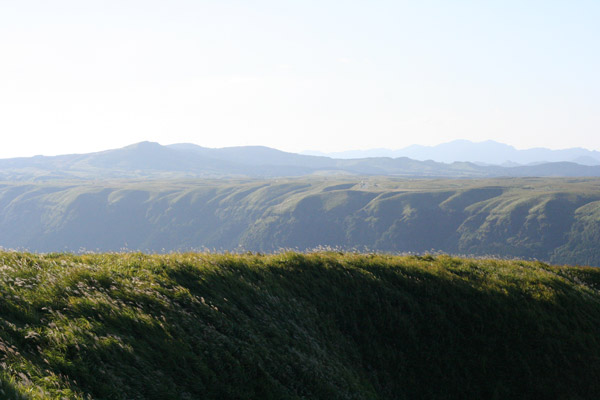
(291, 326)
(554, 220)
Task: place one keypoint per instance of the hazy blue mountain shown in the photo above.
(147, 160)
(256, 155)
(368, 153)
(152, 160)
(488, 152)
(554, 169)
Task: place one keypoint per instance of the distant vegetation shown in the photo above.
(291, 326)
(554, 220)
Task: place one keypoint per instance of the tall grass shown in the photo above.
(323, 325)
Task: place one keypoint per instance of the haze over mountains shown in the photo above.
(487, 152)
(150, 160)
(183, 196)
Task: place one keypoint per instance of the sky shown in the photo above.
(81, 76)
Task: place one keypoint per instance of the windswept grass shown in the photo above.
(322, 325)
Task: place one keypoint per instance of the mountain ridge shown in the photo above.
(489, 152)
(151, 160)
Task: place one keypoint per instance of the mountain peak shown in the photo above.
(144, 145)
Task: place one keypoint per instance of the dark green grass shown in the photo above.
(324, 325)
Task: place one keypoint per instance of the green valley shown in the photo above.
(551, 219)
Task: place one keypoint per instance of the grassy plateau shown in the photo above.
(556, 220)
(323, 325)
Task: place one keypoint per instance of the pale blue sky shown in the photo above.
(79, 76)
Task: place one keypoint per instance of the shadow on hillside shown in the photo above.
(311, 327)
(406, 332)
(8, 391)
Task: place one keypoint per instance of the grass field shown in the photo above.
(291, 325)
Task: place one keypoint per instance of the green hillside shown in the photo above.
(554, 220)
(324, 325)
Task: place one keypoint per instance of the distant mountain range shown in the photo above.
(148, 160)
(487, 153)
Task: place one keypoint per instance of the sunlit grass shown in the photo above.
(290, 325)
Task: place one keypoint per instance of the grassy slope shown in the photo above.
(325, 325)
(556, 220)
